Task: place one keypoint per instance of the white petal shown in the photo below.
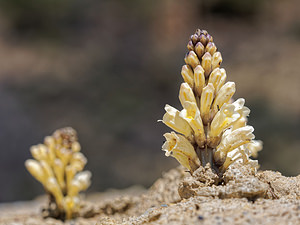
(180, 148)
(254, 147)
(173, 120)
(233, 140)
(222, 120)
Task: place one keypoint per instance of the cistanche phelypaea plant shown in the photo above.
(212, 127)
(58, 165)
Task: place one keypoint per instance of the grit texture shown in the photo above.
(240, 196)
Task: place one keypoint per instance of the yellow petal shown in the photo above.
(173, 120)
(70, 173)
(63, 154)
(192, 59)
(188, 75)
(180, 148)
(199, 49)
(46, 168)
(59, 172)
(191, 114)
(207, 97)
(35, 169)
(254, 147)
(217, 78)
(211, 48)
(80, 182)
(199, 79)
(39, 152)
(222, 120)
(206, 63)
(223, 96)
(222, 80)
(216, 60)
(55, 190)
(233, 139)
(79, 159)
(76, 146)
(186, 94)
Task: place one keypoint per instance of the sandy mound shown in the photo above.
(241, 196)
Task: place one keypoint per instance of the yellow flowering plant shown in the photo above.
(212, 127)
(58, 165)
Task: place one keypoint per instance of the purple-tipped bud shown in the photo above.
(194, 38)
(209, 38)
(190, 46)
(211, 48)
(204, 32)
(206, 63)
(192, 59)
(198, 32)
(203, 39)
(199, 49)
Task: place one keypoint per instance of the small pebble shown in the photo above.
(200, 218)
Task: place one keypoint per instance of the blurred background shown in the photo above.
(107, 68)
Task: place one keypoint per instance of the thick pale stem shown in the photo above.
(210, 156)
(205, 155)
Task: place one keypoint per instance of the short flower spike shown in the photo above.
(58, 165)
(213, 127)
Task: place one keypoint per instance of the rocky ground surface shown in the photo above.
(240, 197)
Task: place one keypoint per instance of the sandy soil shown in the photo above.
(242, 196)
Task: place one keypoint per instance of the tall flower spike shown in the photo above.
(57, 164)
(215, 127)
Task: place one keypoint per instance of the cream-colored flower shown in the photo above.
(217, 78)
(192, 59)
(254, 147)
(173, 120)
(188, 75)
(57, 166)
(206, 100)
(239, 155)
(199, 49)
(211, 48)
(186, 94)
(180, 148)
(231, 140)
(216, 60)
(59, 171)
(35, 169)
(191, 114)
(206, 63)
(53, 187)
(222, 120)
(199, 79)
(223, 96)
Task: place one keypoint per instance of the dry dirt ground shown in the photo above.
(240, 197)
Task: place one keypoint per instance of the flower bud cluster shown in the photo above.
(58, 165)
(214, 127)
